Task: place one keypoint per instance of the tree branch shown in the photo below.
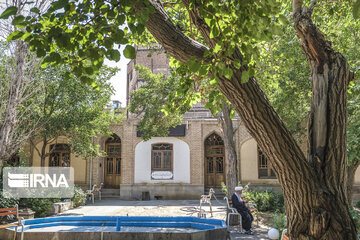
(171, 38)
(312, 6)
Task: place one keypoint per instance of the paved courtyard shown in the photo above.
(162, 208)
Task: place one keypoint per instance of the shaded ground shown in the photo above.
(167, 208)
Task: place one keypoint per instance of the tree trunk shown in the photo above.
(43, 152)
(315, 190)
(229, 142)
(8, 139)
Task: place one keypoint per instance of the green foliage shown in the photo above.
(356, 217)
(8, 12)
(284, 76)
(279, 222)
(224, 188)
(162, 107)
(356, 9)
(41, 206)
(82, 33)
(7, 202)
(267, 200)
(353, 130)
(129, 52)
(73, 109)
(79, 197)
(357, 204)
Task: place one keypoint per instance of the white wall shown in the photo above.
(181, 158)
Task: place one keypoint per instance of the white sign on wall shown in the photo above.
(161, 175)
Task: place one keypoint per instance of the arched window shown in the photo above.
(265, 170)
(60, 155)
(162, 157)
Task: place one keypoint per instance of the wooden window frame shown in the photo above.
(261, 158)
(61, 153)
(162, 169)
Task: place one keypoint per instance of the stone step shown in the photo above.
(218, 192)
(110, 197)
(107, 191)
(110, 190)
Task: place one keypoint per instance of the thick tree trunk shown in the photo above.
(327, 153)
(229, 142)
(314, 190)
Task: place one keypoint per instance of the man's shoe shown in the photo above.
(249, 232)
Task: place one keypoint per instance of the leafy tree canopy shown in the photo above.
(70, 108)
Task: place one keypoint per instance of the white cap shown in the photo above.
(239, 188)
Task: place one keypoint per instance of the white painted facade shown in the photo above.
(181, 161)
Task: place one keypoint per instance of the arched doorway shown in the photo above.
(214, 161)
(112, 168)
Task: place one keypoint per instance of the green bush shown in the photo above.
(224, 188)
(41, 206)
(7, 202)
(79, 197)
(356, 216)
(267, 200)
(279, 221)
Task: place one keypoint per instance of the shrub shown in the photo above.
(267, 200)
(41, 206)
(356, 216)
(224, 188)
(279, 221)
(79, 197)
(7, 202)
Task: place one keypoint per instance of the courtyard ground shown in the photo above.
(163, 208)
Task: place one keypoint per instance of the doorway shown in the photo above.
(112, 168)
(214, 161)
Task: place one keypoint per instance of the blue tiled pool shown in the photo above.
(118, 227)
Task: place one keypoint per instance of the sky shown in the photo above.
(119, 80)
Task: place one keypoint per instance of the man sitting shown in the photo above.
(244, 211)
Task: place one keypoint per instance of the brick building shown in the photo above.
(180, 166)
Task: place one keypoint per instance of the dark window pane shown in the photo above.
(157, 160)
(66, 159)
(167, 159)
(263, 173)
(210, 165)
(109, 165)
(118, 165)
(54, 160)
(219, 164)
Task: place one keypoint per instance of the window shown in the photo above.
(265, 170)
(60, 155)
(162, 157)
